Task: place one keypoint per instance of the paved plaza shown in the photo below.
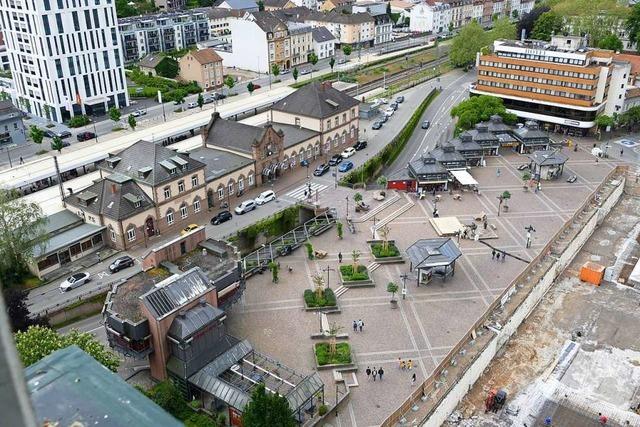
(432, 318)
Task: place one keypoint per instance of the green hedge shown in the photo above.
(148, 86)
(328, 298)
(78, 121)
(342, 355)
(349, 275)
(391, 151)
(273, 226)
(379, 252)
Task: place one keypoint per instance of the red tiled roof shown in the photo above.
(633, 59)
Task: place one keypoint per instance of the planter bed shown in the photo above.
(344, 357)
(391, 256)
(328, 303)
(361, 279)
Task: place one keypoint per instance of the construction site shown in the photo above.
(575, 360)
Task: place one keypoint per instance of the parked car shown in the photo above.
(335, 160)
(208, 99)
(218, 96)
(244, 207)
(188, 229)
(346, 166)
(283, 72)
(222, 216)
(85, 136)
(394, 106)
(400, 100)
(342, 61)
(65, 144)
(52, 134)
(121, 263)
(360, 145)
(321, 169)
(426, 124)
(74, 281)
(192, 105)
(256, 87)
(265, 197)
(523, 167)
(389, 112)
(138, 113)
(305, 71)
(304, 163)
(383, 118)
(348, 152)
(376, 125)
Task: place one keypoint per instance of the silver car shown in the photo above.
(74, 281)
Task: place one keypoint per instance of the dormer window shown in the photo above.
(173, 171)
(137, 204)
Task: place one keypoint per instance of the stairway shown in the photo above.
(340, 291)
(378, 209)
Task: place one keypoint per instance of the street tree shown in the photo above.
(47, 112)
(611, 42)
(313, 58)
(479, 109)
(36, 134)
(295, 74)
(603, 122)
(503, 28)
(251, 87)
(200, 101)
(56, 144)
(273, 266)
(15, 301)
(132, 122)
(260, 4)
(114, 114)
(275, 70)
(229, 82)
(346, 49)
(392, 288)
(547, 24)
(528, 20)
(514, 14)
(355, 257)
(332, 62)
(267, 410)
(632, 25)
(38, 342)
(466, 44)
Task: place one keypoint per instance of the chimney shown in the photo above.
(114, 188)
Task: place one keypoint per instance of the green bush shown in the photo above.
(273, 226)
(378, 250)
(171, 89)
(78, 121)
(309, 247)
(322, 409)
(342, 355)
(328, 298)
(391, 151)
(168, 67)
(348, 274)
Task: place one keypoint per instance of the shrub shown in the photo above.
(349, 275)
(309, 247)
(311, 299)
(339, 228)
(78, 121)
(342, 355)
(322, 409)
(379, 252)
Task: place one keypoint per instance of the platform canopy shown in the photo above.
(464, 177)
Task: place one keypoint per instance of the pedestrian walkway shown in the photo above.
(302, 192)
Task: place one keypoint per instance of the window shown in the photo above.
(194, 181)
(167, 192)
(240, 184)
(250, 180)
(112, 234)
(183, 211)
(180, 186)
(230, 189)
(131, 234)
(170, 217)
(196, 206)
(220, 193)
(297, 119)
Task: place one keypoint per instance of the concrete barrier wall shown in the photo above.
(471, 375)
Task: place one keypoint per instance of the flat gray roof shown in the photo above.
(218, 162)
(65, 239)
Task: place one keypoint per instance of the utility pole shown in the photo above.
(328, 270)
(404, 285)
(59, 177)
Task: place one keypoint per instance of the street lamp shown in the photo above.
(328, 270)
(347, 200)
(404, 285)
(373, 229)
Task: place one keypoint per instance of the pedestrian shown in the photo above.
(504, 255)
(400, 362)
(403, 365)
(413, 379)
(539, 186)
(409, 364)
(355, 326)
(602, 418)
(305, 194)
(21, 160)
(498, 172)
(497, 256)
(98, 254)
(374, 373)
(368, 371)
(485, 224)
(596, 160)
(493, 254)
(380, 372)
(360, 324)
(339, 256)
(621, 154)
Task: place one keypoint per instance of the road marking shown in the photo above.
(102, 275)
(299, 193)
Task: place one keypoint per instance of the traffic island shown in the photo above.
(340, 357)
(321, 301)
(359, 278)
(385, 252)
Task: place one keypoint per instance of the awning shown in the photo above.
(464, 177)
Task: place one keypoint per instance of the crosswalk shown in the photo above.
(302, 192)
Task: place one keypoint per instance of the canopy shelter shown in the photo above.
(464, 178)
(433, 257)
(547, 164)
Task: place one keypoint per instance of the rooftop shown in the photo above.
(151, 61)
(69, 387)
(218, 162)
(125, 300)
(206, 56)
(548, 157)
(294, 135)
(321, 34)
(428, 253)
(317, 100)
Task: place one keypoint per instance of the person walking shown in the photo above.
(602, 418)
(504, 255)
(409, 364)
(498, 173)
(21, 160)
(621, 153)
(380, 372)
(368, 371)
(413, 379)
(497, 256)
(400, 362)
(403, 365)
(360, 324)
(355, 326)
(493, 254)
(339, 256)
(374, 373)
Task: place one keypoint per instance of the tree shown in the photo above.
(611, 42)
(547, 24)
(318, 285)
(179, 96)
(384, 232)
(514, 14)
(388, 8)
(603, 121)
(38, 342)
(275, 70)
(47, 112)
(346, 49)
(466, 44)
(355, 256)
(313, 58)
(339, 230)
(229, 82)
(21, 230)
(21, 319)
(502, 29)
(332, 62)
(132, 122)
(200, 101)
(632, 25)
(36, 134)
(267, 410)
(382, 181)
(251, 87)
(450, 28)
(333, 334)
(479, 109)
(528, 20)
(114, 114)
(273, 266)
(260, 5)
(392, 288)
(295, 74)
(357, 197)
(56, 144)
(168, 68)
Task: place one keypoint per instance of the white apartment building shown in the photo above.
(142, 35)
(476, 12)
(430, 16)
(65, 54)
(301, 42)
(618, 87)
(324, 43)
(219, 23)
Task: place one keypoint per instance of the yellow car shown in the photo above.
(188, 229)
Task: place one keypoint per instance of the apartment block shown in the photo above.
(163, 32)
(65, 55)
(561, 83)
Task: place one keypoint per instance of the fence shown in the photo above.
(549, 261)
(55, 308)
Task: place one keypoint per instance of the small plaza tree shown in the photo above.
(339, 229)
(273, 266)
(357, 197)
(355, 257)
(333, 334)
(392, 288)
(384, 232)
(318, 285)
(132, 122)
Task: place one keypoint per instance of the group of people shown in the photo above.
(498, 254)
(358, 325)
(374, 373)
